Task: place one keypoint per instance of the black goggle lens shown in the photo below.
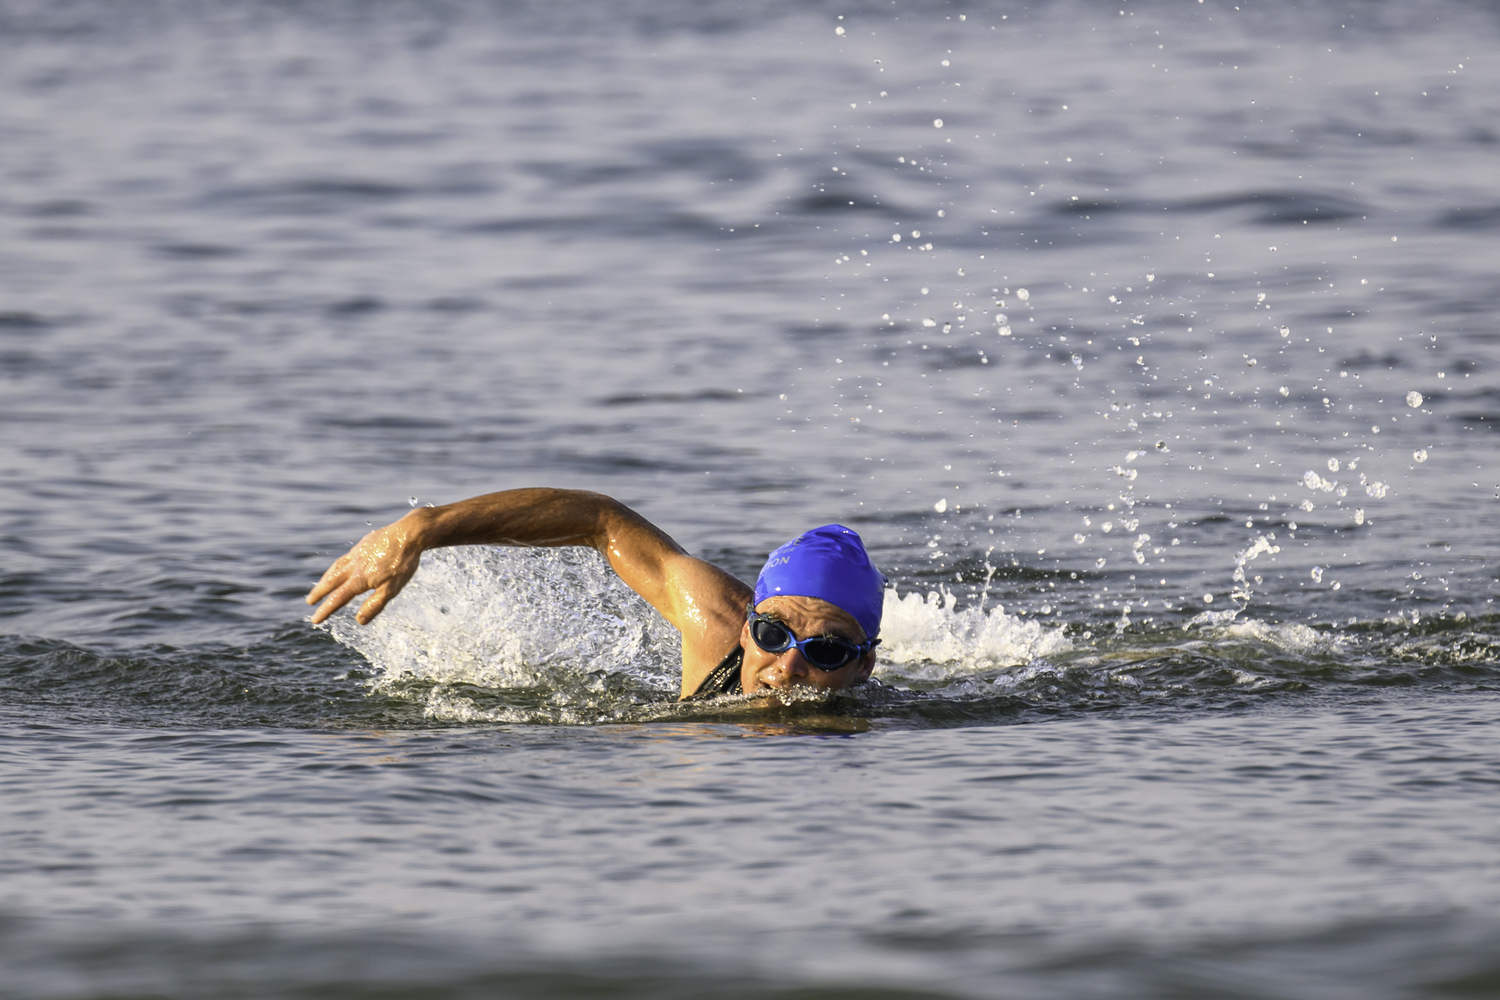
(830, 654)
(771, 636)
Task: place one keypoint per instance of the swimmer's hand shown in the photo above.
(700, 600)
(383, 561)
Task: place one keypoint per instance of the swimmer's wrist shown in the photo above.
(421, 528)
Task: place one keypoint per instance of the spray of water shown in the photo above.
(484, 634)
(928, 639)
(556, 623)
(552, 636)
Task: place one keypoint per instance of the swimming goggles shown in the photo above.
(826, 652)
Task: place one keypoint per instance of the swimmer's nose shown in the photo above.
(791, 667)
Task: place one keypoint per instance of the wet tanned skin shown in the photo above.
(703, 602)
(806, 617)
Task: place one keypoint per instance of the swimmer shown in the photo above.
(812, 619)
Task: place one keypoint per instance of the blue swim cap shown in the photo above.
(828, 563)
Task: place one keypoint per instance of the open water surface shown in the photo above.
(1170, 415)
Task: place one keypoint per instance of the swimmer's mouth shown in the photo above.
(795, 694)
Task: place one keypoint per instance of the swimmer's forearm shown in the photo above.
(644, 556)
(537, 516)
(385, 559)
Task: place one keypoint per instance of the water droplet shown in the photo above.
(1079, 538)
(929, 321)
(1284, 391)
(1359, 515)
(1317, 574)
(1208, 598)
(1333, 465)
(1099, 563)
(1286, 331)
(839, 30)
(1022, 294)
(411, 501)
(1414, 399)
(937, 123)
(1420, 455)
(941, 505)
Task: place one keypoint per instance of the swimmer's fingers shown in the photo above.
(340, 584)
(383, 561)
(377, 601)
(338, 598)
(333, 577)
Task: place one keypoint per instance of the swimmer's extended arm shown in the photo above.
(705, 603)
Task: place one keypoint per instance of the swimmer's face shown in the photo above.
(806, 617)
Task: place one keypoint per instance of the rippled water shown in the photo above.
(1170, 415)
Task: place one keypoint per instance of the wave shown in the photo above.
(554, 628)
(552, 635)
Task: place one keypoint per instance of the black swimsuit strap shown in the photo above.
(723, 679)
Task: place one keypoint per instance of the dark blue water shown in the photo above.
(1170, 415)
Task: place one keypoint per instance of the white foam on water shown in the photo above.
(557, 622)
(558, 630)
(928, 639)
(1213, 618)
(1287, 637)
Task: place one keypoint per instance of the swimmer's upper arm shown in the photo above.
(702, 601)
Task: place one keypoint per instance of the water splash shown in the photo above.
(555, 625)
(552, 635)
(928, 639)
